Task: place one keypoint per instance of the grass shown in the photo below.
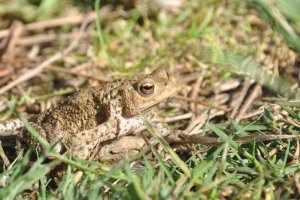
(231, 41)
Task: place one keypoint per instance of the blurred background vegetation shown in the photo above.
(247, 53)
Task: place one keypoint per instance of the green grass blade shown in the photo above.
(167, 148)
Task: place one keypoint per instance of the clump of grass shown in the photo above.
(284, 17)
(229, 170)
(31, 10)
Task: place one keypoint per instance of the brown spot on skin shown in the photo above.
(81, 149)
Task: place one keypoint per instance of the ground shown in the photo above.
(237, 64)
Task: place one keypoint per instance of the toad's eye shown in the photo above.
(146, 89)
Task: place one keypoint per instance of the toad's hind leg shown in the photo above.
(118, 149)
(25, 139)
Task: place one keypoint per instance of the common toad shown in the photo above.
(108, 112)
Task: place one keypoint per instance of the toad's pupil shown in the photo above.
(148, 87)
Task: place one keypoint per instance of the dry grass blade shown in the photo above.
(255, 94)
(196, 88)
(213, 141)
(44, 38)
(242, 95)
(3, 156)
(56, 57)
(77, 73)
(202, 103)
(54, 23)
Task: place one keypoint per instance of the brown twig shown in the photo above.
(67, 71)
(52, 23)
(56, 57)
(259, 111)
(273, 151)
(241, 98)
(16, 31)
(213, 141)
(197, 152)
(290, 121)
(297, 152)
(204, 103)
(7, 53)
(196, 88)
(196, 124)
(297, 181)
(281, 103)
(256, 92)
(178, 117)
(44, 38)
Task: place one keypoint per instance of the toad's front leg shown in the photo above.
(83, 143)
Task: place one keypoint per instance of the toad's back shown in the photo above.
(83, 110)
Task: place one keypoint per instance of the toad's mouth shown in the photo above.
(152, 105)
(149, 106)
